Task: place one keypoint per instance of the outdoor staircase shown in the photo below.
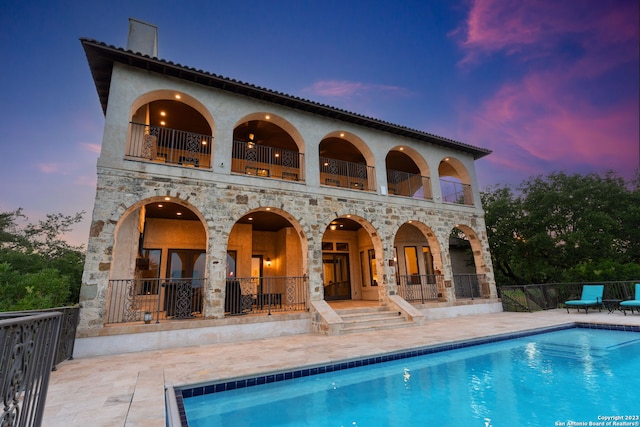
(367, 319)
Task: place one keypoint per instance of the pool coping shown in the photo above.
(176, 413)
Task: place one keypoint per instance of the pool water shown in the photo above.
(550, 379)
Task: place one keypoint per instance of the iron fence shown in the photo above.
(251, 158)
(469, 285)
(419, 287)
(28, 343)
(340, 173)
(166, 145)
(266, 294)
(152, 300)
(547, 296)
(408, 184)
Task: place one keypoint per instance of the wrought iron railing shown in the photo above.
(547, 296)
(172, 146)
(265, 295)
(456, 192)
(153, 300)
(408, 184)
(251, 158)
(419, 287)
(28, 346)
(469, 285)
(339, 173)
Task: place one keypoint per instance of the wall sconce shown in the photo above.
(268, 262)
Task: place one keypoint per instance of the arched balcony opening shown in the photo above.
(343, 165)
(466, 264)
(262, 148)
(170, 131)
(265, 268)
(455, 182)
(159, 264)
(418, 264)
(404, 177)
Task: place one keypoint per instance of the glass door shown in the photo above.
(336, 276)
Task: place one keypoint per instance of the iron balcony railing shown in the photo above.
(408, 184)
(171, 146)
(456, 192)
(28, 345)
(419, 287)
(470, 285)
(547, 296)
(251, 158)
(265, 295)
(153, 300)
(339, 173)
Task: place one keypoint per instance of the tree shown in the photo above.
(38, 267)
(562, 227)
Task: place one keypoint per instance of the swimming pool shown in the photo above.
(551, 379)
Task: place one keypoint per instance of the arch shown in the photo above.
(266, 266)
(407, 173)
(353, 259)
(455, 181)
(465, 247)
(160, 243)
(346, 161)
(418, 263)
(174, 96)
(267, 145)
(281, 122)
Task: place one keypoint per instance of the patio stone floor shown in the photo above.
(128, 389)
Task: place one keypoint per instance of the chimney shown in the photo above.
(143, 38)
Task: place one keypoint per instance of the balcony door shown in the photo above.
(337, 285)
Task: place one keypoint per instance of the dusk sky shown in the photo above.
(548, 85)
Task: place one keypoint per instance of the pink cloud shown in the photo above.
(538, 121)
(343, 88)
(532, 28)
(90, 147)
(49, 168)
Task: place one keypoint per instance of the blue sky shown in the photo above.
(548, 85)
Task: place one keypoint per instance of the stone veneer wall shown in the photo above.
(221, 204)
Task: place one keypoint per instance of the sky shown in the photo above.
(547, 85)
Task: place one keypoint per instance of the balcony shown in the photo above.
(170, 146)
(340, 173)
(250, 158)
(408, 184)
(456, 192)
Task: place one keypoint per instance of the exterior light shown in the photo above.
(268, 262)
(167, 198)
(147, 317)
(267, 117)
(162, 113)
(162, 123)
(159, 205)
(342, 135)
(204, 142)
(333, 227)
(178, 96)
(179, 213)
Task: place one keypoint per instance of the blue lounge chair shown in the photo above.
(631, 304)
(591, 297)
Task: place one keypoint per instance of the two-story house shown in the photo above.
(226, 211)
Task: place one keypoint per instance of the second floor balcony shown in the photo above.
(251, 158)
(340, 173)
(408, 184)
(456, 192)
(165, 145)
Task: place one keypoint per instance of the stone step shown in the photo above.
(370, 319)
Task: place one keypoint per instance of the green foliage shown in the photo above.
(38, 269)
(564, 228)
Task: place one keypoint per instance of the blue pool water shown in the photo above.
(550, 379)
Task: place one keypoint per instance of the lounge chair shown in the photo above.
(631, 304)
(591, 297)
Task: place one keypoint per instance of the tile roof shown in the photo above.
(101, 58)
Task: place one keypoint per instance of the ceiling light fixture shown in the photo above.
(178, 96)
(167, 198)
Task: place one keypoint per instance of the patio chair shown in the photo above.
(631, 304)
(591, 297)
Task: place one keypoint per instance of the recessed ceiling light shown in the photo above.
(268, 209)
(267, 117)
(162, 113)
(401, 148)
(178, 96)
(167, 198)
(159, 205)
(178, 213)
(342, 135)
(162, 123)
(250, 218)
